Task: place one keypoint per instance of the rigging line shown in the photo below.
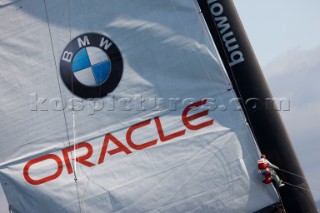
(55, 64)
(74, 157)
(312, 191)
(297, 186)
(56, 67)
(308, 181)
(99, 98)
(74, 153)
(78, 195)
(292, 173)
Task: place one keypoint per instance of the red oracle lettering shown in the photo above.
(81, 159)
(121, 147)
(163, 137)
(129, 136)
(40, 159)
(191, 121)
(186, 119)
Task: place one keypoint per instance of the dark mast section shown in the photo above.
(251, 87)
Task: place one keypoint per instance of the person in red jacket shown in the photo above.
(268, 170)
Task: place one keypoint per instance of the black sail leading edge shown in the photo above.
(249, 84)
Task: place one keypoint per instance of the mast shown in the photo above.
(251, 88)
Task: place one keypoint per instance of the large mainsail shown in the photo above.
(166, 134)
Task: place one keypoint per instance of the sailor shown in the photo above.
(268, 170)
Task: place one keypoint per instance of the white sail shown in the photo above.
(166, 135)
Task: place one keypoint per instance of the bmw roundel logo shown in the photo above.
(91, 66)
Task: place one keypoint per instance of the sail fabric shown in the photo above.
(167, 134)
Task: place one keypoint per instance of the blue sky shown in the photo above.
(285, 36)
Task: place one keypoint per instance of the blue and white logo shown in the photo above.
(91, 66)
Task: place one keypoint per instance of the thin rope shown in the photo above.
(292, 173)
(74, 154)
(74, 132)
(74, 158)
(56, 67)
(297, 186)
(309, 181)
(309, 190)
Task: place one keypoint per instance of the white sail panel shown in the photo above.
(167, 138)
